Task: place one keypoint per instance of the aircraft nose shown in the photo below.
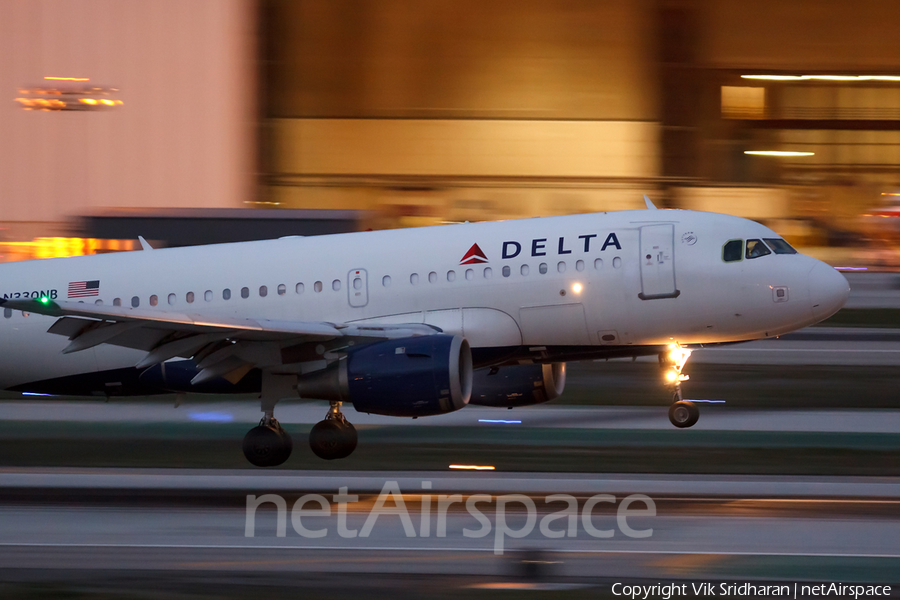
(828, 290)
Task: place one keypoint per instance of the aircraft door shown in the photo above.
(658, 262)
(358, 287)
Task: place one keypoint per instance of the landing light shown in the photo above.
(671, 375)
(576, 288)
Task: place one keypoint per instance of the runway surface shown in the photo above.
(698, 526)
(714, 416)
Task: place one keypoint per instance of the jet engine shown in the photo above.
(410, 377)
(518, 385)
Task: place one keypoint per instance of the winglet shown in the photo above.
(650, 205)
(145, 245)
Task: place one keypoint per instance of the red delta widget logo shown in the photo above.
(474, 256)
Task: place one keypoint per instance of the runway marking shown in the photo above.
(421, 549)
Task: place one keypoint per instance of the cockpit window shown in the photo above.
(756, 248)
(779, 246)
(733, 251)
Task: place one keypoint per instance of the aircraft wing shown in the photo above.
(221, 346)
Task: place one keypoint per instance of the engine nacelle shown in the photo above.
(518, 385)
(410, 377)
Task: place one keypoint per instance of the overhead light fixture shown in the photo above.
(777, 153)
(849, 78)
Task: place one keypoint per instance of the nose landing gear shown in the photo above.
(683, 413)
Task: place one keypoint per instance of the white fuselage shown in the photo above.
(634, 278)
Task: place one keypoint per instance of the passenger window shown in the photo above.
(245, 292)
(282, 289)
(263, 291)
(154, 300)
(432, 277)
(317, 286)
(299, 288)
(579, 265)
(189, 297)
(451, 275)
(135, 301)
(336, 285)
(755, 249)
(488, 273)
(542, 268)
(505, 271)
(470, 274)
(524, 269)
(357, 283)
(7, 313)
(386, 281)
(117, 302)
(207, 295)
(598, 264)
(561, 267)
(226, 294)
(98, 302)
(733, 250)
(414, 278)
(779, 246)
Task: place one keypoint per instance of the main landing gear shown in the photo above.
(683, 413)
(269, 445)
(334, 437)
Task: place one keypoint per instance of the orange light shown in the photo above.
(68, 78)
(108, 102)
(472, 467)
(90, 101)
(576, 288)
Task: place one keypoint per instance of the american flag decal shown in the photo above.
(84, 289)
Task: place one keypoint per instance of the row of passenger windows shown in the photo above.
(208, 295)
(735, 250)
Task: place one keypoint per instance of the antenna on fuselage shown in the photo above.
(650, 205)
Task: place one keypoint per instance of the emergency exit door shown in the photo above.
(658, 262)
(358, 287)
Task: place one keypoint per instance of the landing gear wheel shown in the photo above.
(684, 413)
(333, 438)
(267, 445)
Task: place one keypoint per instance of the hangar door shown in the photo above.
(658, 262)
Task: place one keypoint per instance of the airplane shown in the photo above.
(407, 322)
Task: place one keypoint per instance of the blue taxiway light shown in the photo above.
(213, 417)
(499, 421)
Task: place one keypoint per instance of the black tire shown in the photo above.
(332, 439)
(684, 414)
(267, 446)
